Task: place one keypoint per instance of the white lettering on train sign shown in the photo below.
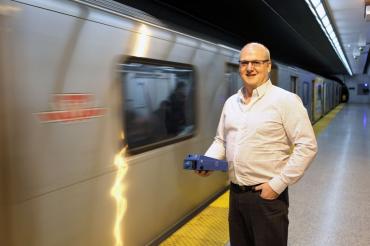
(71, 107)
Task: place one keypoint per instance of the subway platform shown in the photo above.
(330, 205)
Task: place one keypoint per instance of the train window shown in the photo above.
(159, 107)
(233, 79)
(363, 89)
(319, 92)
(305, 93)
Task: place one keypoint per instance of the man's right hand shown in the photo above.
(203, 173)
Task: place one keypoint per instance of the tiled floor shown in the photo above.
(331, 204)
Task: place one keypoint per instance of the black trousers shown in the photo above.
(254, 221)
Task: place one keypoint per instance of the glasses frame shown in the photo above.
(254, 63)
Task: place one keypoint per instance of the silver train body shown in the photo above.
(79, 80)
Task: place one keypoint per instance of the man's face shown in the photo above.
(254, 66)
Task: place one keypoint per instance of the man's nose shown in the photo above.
(249, 66)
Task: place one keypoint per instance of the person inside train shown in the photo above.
(258, 127)
(175, 114)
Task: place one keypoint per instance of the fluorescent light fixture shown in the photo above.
(317, 8)
(325, 21)
(315, 2)
(332, 35)
(320, 10)
(329, 29)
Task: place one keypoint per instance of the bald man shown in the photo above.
(258, 126)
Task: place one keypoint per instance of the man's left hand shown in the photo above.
(267, 192)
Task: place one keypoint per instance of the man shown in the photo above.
(258, 127)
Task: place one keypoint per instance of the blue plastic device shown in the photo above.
(201, 162)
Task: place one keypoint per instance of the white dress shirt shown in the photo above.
(256, 138)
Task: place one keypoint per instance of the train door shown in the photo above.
(330, 95)
(313, 100)
(337, 94)
(294, 84)
(317, 97)
(274, 74)
(306, 98)
(233, 79)
(324, 97)
(332, 91)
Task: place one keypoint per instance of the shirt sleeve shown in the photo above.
(300, 133)
(217, 149)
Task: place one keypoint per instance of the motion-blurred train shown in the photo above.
(81, 79)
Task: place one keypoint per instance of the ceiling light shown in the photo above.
(318, 10)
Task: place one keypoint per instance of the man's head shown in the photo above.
(254, 65)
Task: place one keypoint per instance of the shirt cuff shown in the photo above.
(277, 185)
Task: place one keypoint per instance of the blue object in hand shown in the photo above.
(201, 162)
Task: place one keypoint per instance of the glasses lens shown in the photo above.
(253, 63)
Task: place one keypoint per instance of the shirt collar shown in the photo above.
(259, 92)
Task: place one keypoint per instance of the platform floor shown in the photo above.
(329, 206)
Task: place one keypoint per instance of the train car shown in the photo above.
(317, 93)
(100, 103)
(82, 80)
(295, 80)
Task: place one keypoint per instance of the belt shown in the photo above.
(243, 188)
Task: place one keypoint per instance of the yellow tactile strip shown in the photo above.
(207, 228)
(210, 227)
(320, 125)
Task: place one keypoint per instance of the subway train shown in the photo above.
(100, 104)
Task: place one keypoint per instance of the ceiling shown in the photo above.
(287, 28)
(353, 31)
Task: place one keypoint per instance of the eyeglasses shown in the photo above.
(255, 63)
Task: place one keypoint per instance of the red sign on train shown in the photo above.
(71, 107)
